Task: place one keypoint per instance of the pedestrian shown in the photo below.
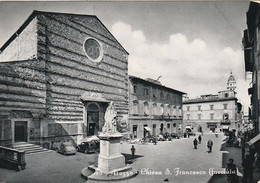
(133, 151)
(195, 143)
(210, 144)
(257, 161)
(216, 134)
(231, 171)
(199, 139)
(247, 169)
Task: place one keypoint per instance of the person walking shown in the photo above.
(199, 138)
(247, 169)
(133, 151)
(231, 171)
(210, 144)
(195, 143)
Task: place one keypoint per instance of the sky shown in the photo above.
(193, 46)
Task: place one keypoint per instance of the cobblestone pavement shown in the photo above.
(155, 163)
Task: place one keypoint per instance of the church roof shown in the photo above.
(36, 12)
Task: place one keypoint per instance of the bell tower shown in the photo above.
(231, 83)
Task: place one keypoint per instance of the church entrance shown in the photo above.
(20, 131)
(92, 119)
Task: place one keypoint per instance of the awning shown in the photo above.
(254, 140)
(225, 127)
(147, 128)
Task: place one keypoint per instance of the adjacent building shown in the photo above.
(252, 61)
(153, 108)
(218, 112)
(58, 72)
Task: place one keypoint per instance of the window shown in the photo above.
(174, 125)
(188, 116)
(168, 125)
(161, 95)
(154, 109)
(168, 96)
(135, 107)
(199, 116)
(211, 107)
(211, 116)
(146, 92)
(146, 108)
(188, 108)
(226, 95)
(225, 117)
(135, 88)
(199, 107)
(225, 106)
(93, 50)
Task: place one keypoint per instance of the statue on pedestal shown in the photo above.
(110, 119)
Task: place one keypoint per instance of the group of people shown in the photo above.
(209, 143)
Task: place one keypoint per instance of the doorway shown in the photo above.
(161, 128)
(92, 119)
(20, 131)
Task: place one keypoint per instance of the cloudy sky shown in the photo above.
(193, 45)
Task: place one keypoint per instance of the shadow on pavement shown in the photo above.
(129, 159)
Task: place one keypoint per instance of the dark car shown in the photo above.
(88, 147)
(66, 148)
(167, 136)
(160, 138)
(149, 138)
(175, 135)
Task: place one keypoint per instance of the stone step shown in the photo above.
(30, 148)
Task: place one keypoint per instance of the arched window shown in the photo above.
(154, 109)
(167, 109)
(135, 107)
(162, 109)
(174, 112)
(146, 108)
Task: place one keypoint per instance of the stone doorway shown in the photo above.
(93, 110)
(21, 131)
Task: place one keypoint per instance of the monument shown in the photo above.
(111, 163)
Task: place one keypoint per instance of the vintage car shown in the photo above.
(66, 148)
(167, 136)
(88, 147)
(160, 138)
(149, 138)
(175, 135)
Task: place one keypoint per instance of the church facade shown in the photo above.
(58, 74)
(220, 112)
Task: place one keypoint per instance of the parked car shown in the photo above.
(66, 148)
(88, 147)
(160, 138)
(175, 135)
(150, 138)
(167, 136)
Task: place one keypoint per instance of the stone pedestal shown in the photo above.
(111, 163)
(110, 157)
